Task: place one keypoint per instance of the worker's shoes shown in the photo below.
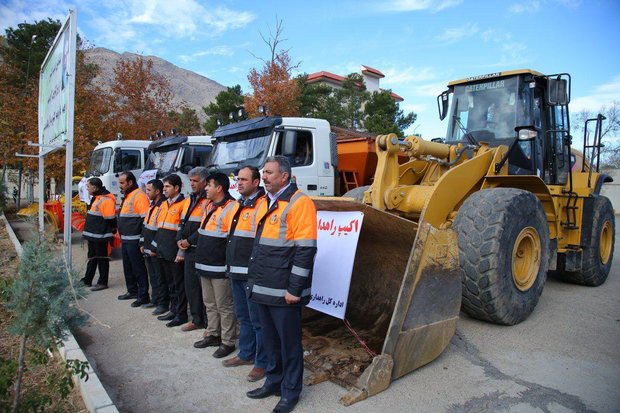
(139, 302)
(285, 405)
(223, 351)
(256, 374)
(263, 392)
(236, 362)
(83, 281)
(128, 296)
(166, 317)
(190, 326)
(160, 310)
(99, 287)
(175, 322)
(208, 341)
(148, 305)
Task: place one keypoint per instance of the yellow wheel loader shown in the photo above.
(474, 221)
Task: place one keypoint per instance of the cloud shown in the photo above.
(214, 51)
(407, 75)
(14, 12)
(455, 34)
(417, 5)
(603, 95)
(531, 6)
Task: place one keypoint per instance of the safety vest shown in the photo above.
(210, 254)
(100, 218)
(167, 225)
(284, 249)
(134, 207)
(149, 228)
(242, 229)
(194, 210)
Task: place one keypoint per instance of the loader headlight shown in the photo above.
(527, 135)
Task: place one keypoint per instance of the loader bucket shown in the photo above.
(404, 303)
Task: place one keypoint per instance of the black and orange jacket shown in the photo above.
(134, 207)
(150, 227)
(210, 251)
(241, 231)
(101, 217)
(284, 249)
(194, 209)
(168, 221)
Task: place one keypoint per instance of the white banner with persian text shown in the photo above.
(338, 233)
(56, 90)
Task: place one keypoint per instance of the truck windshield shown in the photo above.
(162, 159)
(231, 153)
(488, 111)
(100, 161)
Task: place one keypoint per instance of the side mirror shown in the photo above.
(558, 90)
(442, 104)
(289, 144)
(526, 133)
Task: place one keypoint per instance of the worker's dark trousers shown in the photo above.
(159, 289)
(136, 277)
(173, 274)
(193, 290)
(282, 339)
(97, 257)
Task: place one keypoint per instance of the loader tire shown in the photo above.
(598, 254)
(503, 242)
(357, 193)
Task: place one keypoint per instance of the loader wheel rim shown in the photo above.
(605, 243)
(526, 258)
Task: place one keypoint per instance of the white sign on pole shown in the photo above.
(338, 233)
(57, 89)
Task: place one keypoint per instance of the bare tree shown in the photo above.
(610, 132)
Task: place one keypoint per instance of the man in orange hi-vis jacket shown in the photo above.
(134, 208)
(280, 278)
(98, 231)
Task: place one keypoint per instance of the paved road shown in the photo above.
(565, 357)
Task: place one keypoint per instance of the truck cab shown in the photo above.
(178, 155)
(108, 159)
(308, 143)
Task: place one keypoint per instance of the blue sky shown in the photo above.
(420, 45)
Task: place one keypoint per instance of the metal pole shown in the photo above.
(41, 192)
(69, 142)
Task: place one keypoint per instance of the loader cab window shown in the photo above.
(296, 145)
(557, 158)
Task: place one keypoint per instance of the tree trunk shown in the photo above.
(21, 367)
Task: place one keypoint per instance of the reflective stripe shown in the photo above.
(275, 292)
(90, 234)
(153, 243)
(147, 251)
(131, 212)
(238, 270)
(194, 219)
(213, 234)
(283, 225)
(276, 242)
(305, 243)
(141, 239)
(253, 224)
(150, 227)
(131, 215)
(95, 213)
(167, 225)
(220, 219)
(244, 234)
(130, 237)
(211, 268)
(302, 272)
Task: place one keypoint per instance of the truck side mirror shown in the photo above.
(289, 144)
(442, 104)
(558, 91)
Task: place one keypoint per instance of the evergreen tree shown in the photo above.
(383, 114)
(226, 101)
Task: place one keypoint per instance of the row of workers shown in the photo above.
(243, 267)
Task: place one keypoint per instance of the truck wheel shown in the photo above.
(357, 193)
(503, 242)
(598, 254)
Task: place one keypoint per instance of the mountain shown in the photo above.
(191, 88)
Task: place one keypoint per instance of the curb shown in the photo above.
(94, 395)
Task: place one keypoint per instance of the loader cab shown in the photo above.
(523, 109)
